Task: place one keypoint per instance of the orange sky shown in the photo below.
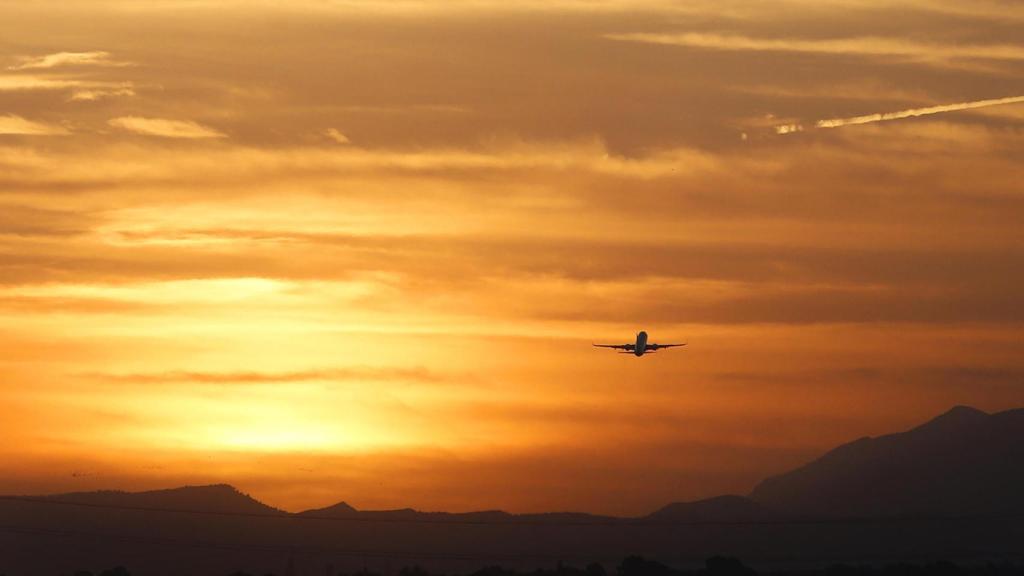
(358, 250)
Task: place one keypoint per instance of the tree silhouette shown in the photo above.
(415, 570)
(639, 566)
(727, 566)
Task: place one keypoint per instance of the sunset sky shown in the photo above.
(358, 250)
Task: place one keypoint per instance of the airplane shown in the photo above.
(640, 347)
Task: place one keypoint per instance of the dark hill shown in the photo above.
(339, 510)
(718, 509)
(408, 515)
(219, 498)
(961, 463)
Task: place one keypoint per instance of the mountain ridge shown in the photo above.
(950, 445)
(964, 461)
(220, 498)
(217, 529)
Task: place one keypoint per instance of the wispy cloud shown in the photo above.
(81, 90)
(12, 124)
(901, 114)
(92, 94)
(932, 53)
(988, 9)
(553, 158)
(406, 110)
(60, 59)
(23, 82)
(416, 374)
(165, 128)
(28, 221)
(418, 8)
(337, 136)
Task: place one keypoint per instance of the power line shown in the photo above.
(304, 549)
(513, 521)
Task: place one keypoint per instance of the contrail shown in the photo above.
(913, 112)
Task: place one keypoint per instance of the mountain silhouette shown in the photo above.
(946, 490)
(962, 462)
(217, 498)
(344, 510)
(341, 509)
(718, 509)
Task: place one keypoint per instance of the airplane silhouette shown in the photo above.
(640, 347)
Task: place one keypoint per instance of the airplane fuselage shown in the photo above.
(641, 343)
(639, 347)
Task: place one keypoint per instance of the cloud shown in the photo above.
(92, 94)
(81, 90)
(12, 124)
(21, 82)
(21, 220)
(411, 8)
(911, 113)
(264, 166)
(165, 128)
(337, 136)
(416, 374)
(924, 52)
(860, 89)
(985, 9)
(407, 110)
(61, 59)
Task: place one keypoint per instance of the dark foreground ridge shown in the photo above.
(639, 566)
(948, 490)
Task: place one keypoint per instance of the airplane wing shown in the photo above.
(653, 347)
(617, 346)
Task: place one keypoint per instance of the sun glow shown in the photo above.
(374, 241)
(277, 432)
